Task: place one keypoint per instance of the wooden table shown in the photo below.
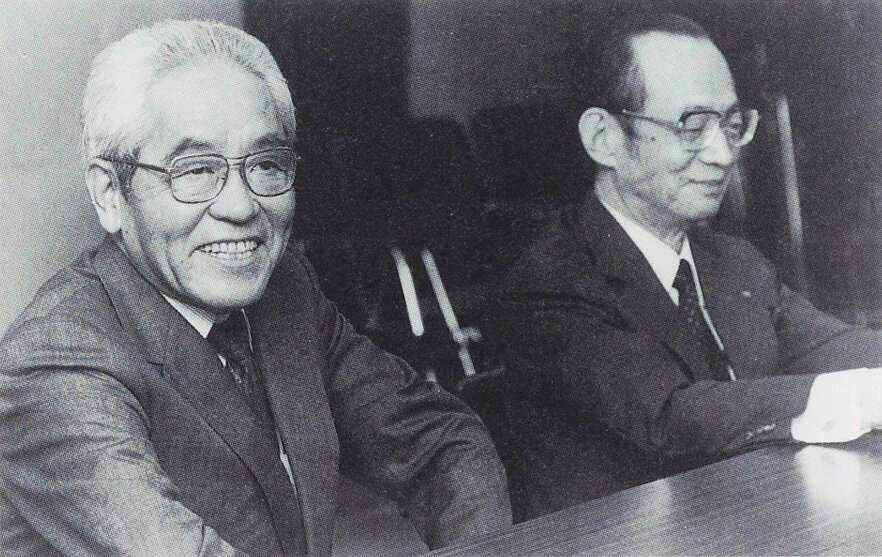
(778, 500)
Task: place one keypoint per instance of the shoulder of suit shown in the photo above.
(730, 249)
(70, 323)
(294, 265)
(552, 263)
(721, 241)
(294, 279)
(75, 293)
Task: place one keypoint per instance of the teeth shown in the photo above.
(240, 249)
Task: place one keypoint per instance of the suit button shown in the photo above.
(760, 430)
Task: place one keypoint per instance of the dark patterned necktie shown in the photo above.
(231, 340)
(690, 312)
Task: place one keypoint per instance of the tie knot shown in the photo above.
(684, 281)
(230, 337)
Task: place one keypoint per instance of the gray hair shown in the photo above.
(114, 119)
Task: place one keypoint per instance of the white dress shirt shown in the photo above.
(834, 411)
(661, 257)
(200, 319)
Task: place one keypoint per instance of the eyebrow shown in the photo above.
(270, 142)
(184, 145)
(698, 109)
(193, 144)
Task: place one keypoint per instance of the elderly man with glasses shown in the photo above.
(640, 343)
(184, 388)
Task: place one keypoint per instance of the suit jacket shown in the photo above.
(120, 433)
(606, 388)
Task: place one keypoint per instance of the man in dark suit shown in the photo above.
(184, 388)
(639, 343)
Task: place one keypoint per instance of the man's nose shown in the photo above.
(720, 152)
(235, 202)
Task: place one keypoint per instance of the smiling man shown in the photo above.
(184, 388)
(640, 343)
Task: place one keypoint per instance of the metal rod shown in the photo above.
(460, 336)
(441, 294)
(405, 278)
(791, 193)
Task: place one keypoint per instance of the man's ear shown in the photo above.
(601, 136)
(105, 191)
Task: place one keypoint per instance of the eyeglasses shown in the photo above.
(698, 130)
(200, 178)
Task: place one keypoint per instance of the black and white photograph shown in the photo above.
(354, 278)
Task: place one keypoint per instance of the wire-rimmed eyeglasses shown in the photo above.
(200, 178)
(697, 130)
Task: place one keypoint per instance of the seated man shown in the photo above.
(639, 344)
(184, 388)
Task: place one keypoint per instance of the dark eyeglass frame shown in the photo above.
(231, 162)
(752, 117)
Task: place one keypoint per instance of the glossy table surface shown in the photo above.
(778, 500)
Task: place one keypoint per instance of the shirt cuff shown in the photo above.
(833, 411)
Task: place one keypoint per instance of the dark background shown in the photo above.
(452, 125)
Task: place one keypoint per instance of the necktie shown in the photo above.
(690, 312)
(232, 341)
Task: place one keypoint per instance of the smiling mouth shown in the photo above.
(241, 249)
(713, 185)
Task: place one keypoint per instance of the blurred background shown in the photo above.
(448, 128)
(451, 125)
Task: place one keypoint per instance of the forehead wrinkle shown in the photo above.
(192, 145)
(201, 137)
(187, 144)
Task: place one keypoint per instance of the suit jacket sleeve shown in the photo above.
(586, 361)
(76, 461)
(410, 438)
(815, 342)
(590, 367)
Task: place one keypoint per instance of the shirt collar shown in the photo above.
(199, 319)
(663, 260)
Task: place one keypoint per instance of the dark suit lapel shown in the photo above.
(191, 365)
(642, 300)
(733, 307)
(194, 369)
(291, 355)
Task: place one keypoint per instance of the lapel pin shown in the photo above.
(746, 293)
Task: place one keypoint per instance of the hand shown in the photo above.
(842, 405)
(870, 397)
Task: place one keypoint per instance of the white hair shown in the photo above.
(114, 118)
